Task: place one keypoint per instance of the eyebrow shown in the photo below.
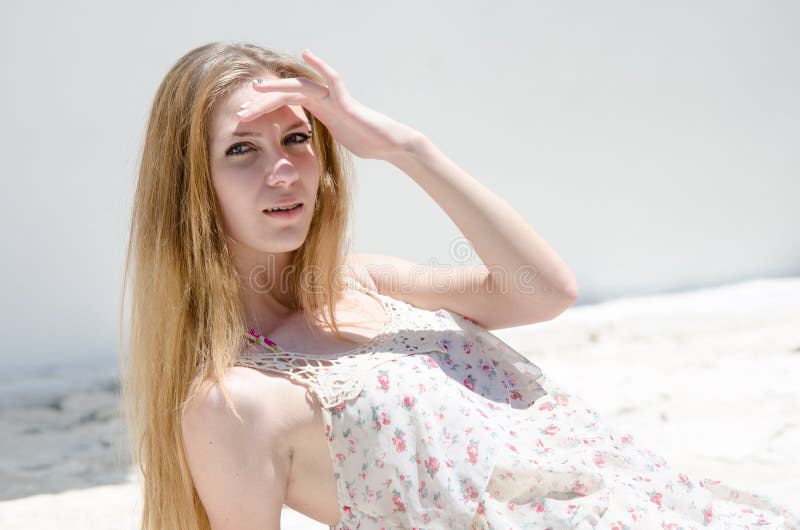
(292, 126)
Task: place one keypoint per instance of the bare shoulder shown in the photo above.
(261, 400)
(236, 462)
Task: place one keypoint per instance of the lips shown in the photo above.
(298, 204)
(284, 202)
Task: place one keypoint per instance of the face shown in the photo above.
(256, 164)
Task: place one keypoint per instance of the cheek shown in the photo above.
(233, 197)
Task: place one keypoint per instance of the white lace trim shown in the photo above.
(338, 377)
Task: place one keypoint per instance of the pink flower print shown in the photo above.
(432, 465)
(617, 525)
(670, 526)
(546, 406)
(398, 504)
(468, 346)
(351, 444)
(563, 400)
(471, 493)
(599, 461)
(538, 506)
(421, 387)
(481, 509)
(571, 508)
(347, 510)
(627, 438)
(551, 430)
(684, 479)
(708, 515)
(431, 362)
(485, 367)
(408, 402)
(398, 441)
(579, 488)
(469, 382)
(340, 457)
(385, 418)
(472, 453)
(514, 394)
(383, 379)
(656, 498)
(426, 518)
(511, 446)
(445, 344)
(511, 505)
(340, 407)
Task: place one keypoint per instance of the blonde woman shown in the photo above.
(268, 366)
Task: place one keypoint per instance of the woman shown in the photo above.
(412, 415)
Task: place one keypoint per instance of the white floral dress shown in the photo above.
(438, 424)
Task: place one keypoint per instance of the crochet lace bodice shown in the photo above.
(338, 377)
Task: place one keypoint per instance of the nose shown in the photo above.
(283, 172)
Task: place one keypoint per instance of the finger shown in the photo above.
(299, 84)
(269, 103)
(331, 76)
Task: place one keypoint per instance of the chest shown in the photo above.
(360, 318)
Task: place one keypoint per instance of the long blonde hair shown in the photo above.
(186, 316)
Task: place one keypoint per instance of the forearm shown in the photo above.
(504, 241)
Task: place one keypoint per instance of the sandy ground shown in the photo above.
(707, 378)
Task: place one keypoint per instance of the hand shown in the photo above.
(363, 131)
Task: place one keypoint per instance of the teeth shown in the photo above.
(283, 208)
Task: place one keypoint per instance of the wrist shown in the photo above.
(410, 150)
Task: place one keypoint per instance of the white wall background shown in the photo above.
(653, 145)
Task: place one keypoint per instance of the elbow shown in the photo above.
(568, 295)
(571, 293)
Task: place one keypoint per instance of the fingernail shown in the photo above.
(244, 105)
(243, 112)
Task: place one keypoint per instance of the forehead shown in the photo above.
(224, 121)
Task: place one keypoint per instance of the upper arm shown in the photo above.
(469, 290)
(240, 469)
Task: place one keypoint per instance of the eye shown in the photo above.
(232, 151)
(304, 138)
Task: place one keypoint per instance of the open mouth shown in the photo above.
(285, 212)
